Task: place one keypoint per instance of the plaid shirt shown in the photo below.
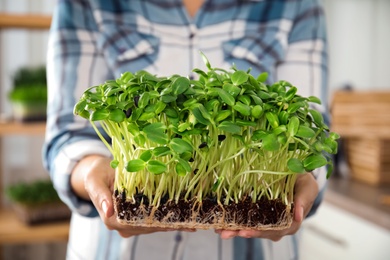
(92, 41)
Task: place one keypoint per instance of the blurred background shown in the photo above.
(354, 220)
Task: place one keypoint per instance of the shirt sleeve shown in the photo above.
(306, 65)
(73, 62)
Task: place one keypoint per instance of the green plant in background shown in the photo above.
(29, 85)
(29, 93)
(34, 193)
(227, 135)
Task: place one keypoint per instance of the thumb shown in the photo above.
(100, 195)
(306, 190)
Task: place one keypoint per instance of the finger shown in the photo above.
(100, 196)
(227, 234)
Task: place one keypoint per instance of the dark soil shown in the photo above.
(263, 214)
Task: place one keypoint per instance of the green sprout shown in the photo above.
(227, 135)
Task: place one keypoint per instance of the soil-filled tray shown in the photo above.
(208, 214)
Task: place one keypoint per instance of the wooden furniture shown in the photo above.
(362, 119)
(24, 21)
(13, 231)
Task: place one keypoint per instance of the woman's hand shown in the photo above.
(306, 191)
(93, 179)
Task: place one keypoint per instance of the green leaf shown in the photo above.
(334, 136)
(180, 85)
(231, 89)
(314, 161)
(117, 115)
(239, 77)
(144, 100)
(126, 76)
(293, 126)
(263, 95)
(245, 99)
(282, 138)
(317, 117)
(160, 106)
(180, 146)
(226, 97)
(254, 82)
(229, 127)
(183, 126)
(270, 143)
(114, 164)
(190, 102)
(168, 98)
(205, 60)
(146, 156)
(257, 111)
(314, 99)
(292, 108)
(283, 117)
(140, 140)
(155, 132)
(135, 165)
(186, 156)
(184, 165)
(99, 114)
(332, 144)
(196, 111)
(242, 122)
(146, 116)
(329, 170)
(156, 167)
(257, 100)
(222, 115)
(290, 94)
(170, 112)
(280, 129)
(161, 151)
(272, 119)
(133, 129)
(84, 114)
(136, 114)
(262, 77)
(180, 170)
(79, 107)
(258, 135)
(295, 165)
(111, 91)
(305, 132)
(243, 109)
(204, 112)
(200, 72)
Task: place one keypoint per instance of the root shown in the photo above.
(206, 214)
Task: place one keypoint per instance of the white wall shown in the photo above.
(359, 43)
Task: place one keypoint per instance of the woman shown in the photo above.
(92, 41)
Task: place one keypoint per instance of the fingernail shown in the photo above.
(104, 207)
(300, 214)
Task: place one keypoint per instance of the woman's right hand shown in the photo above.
(93, 179)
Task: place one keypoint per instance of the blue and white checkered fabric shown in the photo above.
(92, 41)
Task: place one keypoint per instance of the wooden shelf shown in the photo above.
(13, 231)
(25, 21)
(16, 128)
